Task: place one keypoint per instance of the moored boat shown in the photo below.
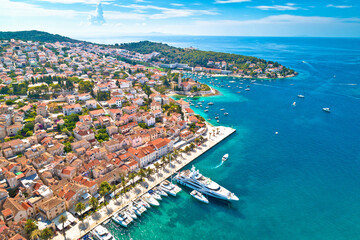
(195, 180)
(152, 201)
(199, 196)
(101, 233)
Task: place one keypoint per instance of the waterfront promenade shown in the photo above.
(214, 136)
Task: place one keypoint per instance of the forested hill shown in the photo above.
(192, 57)
(36, 36)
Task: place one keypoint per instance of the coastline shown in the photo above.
(79, 230)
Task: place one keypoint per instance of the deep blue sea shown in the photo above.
(302, 183)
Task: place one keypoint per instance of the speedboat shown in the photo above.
(294, 104)
(225, 157)
(218, 121)
(199, 196)
(195, 180)
(130, 213)
(160, 192)
(101, 233)
(138, 209)
(300, 96)
(326, 110)
(210, 103)
(206, 110)
(217, 117)
(226, 113)
(152, 201)
(247, 89)
(122, 219)
(222, 109)
(170, 188)
(143, 203)
(155, 195)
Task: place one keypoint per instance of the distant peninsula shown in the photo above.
(169, 57)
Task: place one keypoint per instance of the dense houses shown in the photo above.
(96, 119)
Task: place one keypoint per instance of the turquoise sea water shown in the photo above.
(302, 183)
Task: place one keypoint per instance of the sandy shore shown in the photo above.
(80, 229)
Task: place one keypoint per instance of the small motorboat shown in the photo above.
(206, 110)
(300, 96)
(199, 196)
(218, 121)
(129, 212)
(222, 109)
(216, 117)
(247, 89)
(160, 192)
(226, 113)
(210, 103)
(152, 201)
(294, 104)
(100, 232)
(326, 110)
(225, 157)
(143, 203)
(155, 195)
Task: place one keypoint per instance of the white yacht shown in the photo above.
(143, 203)
(326, 110)
(130, 213)
(138, 208)
(294, 104)
(225, 157)
(101, 233)
(193, 179)
(122, 219)
(170, 188)
(226, 113)
(152, 201)
(300, 96)
(160, 192)
(199, 196)
(155, 195)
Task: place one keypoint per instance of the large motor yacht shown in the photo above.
(195, 180)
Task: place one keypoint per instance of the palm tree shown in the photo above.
(47, 233)
(114, 187)
(187, 149)
(36, 234)
(168, 156)
(123, 183)
(62, 219)
(103, 193)
(94, 203)
(149, 171)
(163, 161)
(30, 226)
(132, 176)
(157, 166)
(79, 208)
(142, 174)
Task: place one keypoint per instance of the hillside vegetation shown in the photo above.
(36, 36)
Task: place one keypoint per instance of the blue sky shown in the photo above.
(112, 18)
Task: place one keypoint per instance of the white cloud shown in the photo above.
(165, 13)
(77, 1)
(98, 17)
(19, 9)
(281, 19)
(286, 7)
(231, 1)
(115, 15)
(338, 6)
(177, 4)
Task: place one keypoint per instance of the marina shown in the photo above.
(141, 195)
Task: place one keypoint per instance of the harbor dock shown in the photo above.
(214, 135)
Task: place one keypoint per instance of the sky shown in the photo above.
(83, 19)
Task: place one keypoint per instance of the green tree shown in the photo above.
(30, 226)
(79, 208)
(47, 233)
(35, 235)
(94, 203)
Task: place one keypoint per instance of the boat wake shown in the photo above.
(222, 162)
